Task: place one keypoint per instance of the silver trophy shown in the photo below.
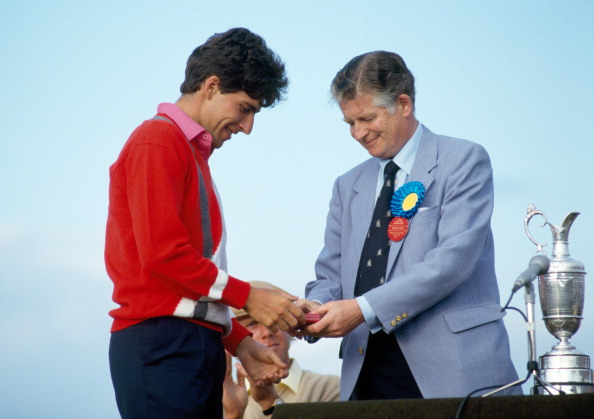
(561, 292)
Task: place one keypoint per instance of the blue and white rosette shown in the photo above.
(407, 199)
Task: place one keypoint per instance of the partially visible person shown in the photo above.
(235, 393)
(407, 271)
(301, 386)
(165, 242)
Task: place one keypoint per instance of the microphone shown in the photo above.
(539, 265)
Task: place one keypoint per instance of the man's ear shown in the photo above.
(405, 104)
(211, 86)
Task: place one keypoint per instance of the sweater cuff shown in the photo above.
(236, 293)
(233, 339)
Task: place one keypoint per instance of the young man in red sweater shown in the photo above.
(165, 242)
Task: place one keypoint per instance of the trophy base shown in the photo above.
(566, 388)
(569, 372)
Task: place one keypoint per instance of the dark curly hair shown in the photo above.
(381, 73)
(242, 61)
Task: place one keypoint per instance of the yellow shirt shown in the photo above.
(300, 387)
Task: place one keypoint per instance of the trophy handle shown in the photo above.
(532, 211)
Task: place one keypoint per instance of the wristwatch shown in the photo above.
(270, 410)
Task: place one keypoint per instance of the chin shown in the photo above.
(379, 155)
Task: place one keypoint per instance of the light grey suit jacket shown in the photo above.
(441, 298)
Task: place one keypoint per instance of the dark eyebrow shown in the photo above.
(251, 107)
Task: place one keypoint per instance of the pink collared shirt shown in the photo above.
(191, 129)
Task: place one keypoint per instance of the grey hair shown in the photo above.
(380, 73)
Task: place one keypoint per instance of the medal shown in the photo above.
(397, 229)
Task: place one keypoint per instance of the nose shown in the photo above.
(358, 132)
(246, 124)
(261, 332)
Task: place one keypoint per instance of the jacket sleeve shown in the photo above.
(328, 285)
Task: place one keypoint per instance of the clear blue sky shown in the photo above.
(78, 76)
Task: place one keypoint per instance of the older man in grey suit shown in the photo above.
(412, 289)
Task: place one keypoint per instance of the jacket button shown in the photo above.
(361, 351)
(404, 315)
(393, 323)
(398, 318)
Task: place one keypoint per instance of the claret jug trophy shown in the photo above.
(561, 292)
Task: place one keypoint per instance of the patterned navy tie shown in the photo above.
(374, 257)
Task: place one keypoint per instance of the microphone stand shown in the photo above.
(532, 362)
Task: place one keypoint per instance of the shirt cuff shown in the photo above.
(236, 293)
(370, 318)
(233, 339)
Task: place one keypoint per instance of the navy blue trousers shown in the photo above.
(385, 373)
(167, 367)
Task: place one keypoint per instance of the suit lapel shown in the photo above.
(425, 161)
(364, 202)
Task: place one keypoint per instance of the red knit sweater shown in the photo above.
(154, 239)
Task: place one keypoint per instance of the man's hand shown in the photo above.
(274, 309)
(263, 395)
(262, 364)
(235, 395)
(307, 306)
(338, 319)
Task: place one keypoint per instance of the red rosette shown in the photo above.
(397, 229)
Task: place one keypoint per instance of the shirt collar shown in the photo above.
(190, 128)
(294, 378)
(405, 158)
